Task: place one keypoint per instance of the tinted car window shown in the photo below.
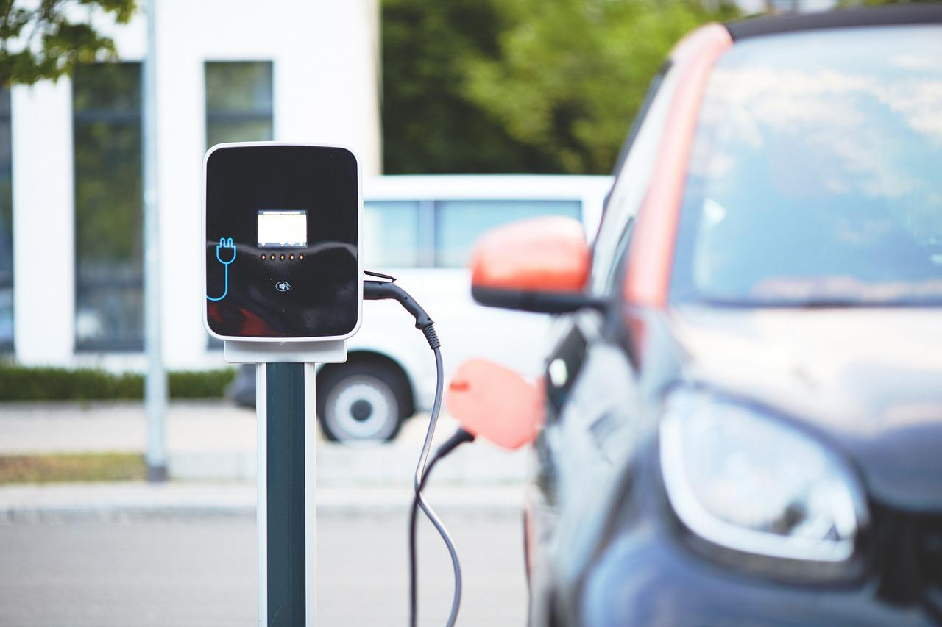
(814, 176)
(459, 223)
(633, 175)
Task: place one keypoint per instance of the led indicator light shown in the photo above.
(282, 256)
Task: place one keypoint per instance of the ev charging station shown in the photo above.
(283, 290)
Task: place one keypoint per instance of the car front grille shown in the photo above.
(930, 564)
(908, 553)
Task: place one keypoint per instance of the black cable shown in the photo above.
(460, 437)
(381, 290)
(420, 473)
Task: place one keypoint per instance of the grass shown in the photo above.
(72, 467)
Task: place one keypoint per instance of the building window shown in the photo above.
(238, 101)
(6, 225)
(106, 105)
(238, 107)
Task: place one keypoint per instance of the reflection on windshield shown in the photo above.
(815, 172)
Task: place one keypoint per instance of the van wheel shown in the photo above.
(361, 402)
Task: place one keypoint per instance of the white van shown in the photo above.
(421, 229)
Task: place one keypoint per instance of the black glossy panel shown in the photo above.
(892, 15)
(315, 294)
(536, 302)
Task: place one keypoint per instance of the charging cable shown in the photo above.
(388, 290)
(460, 437)
(227, 245)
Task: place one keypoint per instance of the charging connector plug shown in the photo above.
(388, 290)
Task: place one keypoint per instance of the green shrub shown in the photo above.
(20, 383)
(200, 383)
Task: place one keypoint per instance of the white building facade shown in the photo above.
(227, 70)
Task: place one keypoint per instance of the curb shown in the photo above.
(136, 501)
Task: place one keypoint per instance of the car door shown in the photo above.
(591, 406)
(591, 403)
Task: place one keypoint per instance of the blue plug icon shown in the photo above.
(225, 254)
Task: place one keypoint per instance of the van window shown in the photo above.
(459, 223)
(390, 234)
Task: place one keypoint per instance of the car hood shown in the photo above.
(868, 380)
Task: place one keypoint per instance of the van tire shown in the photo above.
(365, 401)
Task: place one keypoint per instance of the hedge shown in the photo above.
(19, 383)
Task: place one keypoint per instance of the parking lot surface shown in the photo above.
(201, 571)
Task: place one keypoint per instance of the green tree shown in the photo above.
(430, 124)
(43, 40)
(571, 74)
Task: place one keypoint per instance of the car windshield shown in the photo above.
(816, 173)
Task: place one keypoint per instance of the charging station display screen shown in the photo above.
(282, 228)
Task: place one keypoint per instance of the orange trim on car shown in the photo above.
(547, 254)
(648, 273)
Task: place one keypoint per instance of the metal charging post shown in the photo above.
(284, 291)
(286, 544)
(286, 474)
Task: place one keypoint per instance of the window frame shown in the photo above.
(6, 117)
(112, 117)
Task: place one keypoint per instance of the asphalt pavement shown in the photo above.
(200, 571)
(184, 552)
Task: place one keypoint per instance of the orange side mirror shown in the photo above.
(539, 265)
(495, 403)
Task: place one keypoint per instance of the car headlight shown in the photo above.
(746, 481)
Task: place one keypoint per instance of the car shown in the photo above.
(420, 229)
(742, 409)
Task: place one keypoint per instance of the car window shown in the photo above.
(631, 184)
(814, 177)
(390, 234)
(459, 223)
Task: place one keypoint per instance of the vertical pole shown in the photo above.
(285, 494)
(310, 487)
(155, 393)
(261, 481)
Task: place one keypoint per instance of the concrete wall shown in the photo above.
(325, 87)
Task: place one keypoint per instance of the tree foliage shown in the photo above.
(573, 73)
(521, 85)
(45, 39)
(429, 123)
